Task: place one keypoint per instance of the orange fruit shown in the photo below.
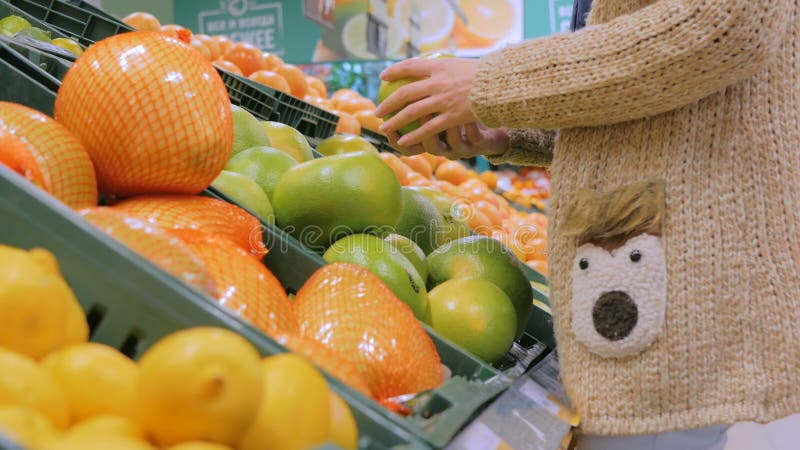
(200, 47)
(143, 131)
(178, 32)
(15, 155)
(175, 212)
(490, 178)
(271, 79)
(62, 164)
(345, 92)
(349, 309)
(295, 77)
(327, 359)
(419, 164)
(536, 248)
(247, 57)
(400, 168)
(154, 244)
(317, 84)
(211, 45)
(369, 120)
(314, 100)
(223, 43)
(142, 21)
(244, 285)
(273, 61)
(452, 171)
(353, 105)
(229, 66)
(490, 211)
(479, 223)
(311, 91)
(347, 123)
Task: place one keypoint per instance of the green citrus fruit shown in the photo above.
(69, 45)
(246, 193)
(482, 257)
(411, 251)
(264, 165)
(382, 259)
(325, 199)
(11, 25)
(475, 314)
(455, 222)
(345, 143)
(420, 221)
(289, 140)
(247, 131)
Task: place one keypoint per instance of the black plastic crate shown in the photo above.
(86, 26)
(30, 77)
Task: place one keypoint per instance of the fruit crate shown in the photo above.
(86, 6)
(378, 140)
(30, 76)
(86, 26)
(269, 104)
(130, 303)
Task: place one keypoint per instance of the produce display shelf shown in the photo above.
(94, 10)
(30, 77)
(86, 26)
(131, 303)
(269, 104)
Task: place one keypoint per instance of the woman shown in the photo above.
(695, 105)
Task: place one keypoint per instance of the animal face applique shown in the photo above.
(619, 276)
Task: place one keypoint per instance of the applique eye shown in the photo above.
(636, 256)
(583, 263)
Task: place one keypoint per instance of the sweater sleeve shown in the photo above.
(527, 147)
(659, 58)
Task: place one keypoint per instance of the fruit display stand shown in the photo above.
(31, 76)
(131, 303)
(86, 26)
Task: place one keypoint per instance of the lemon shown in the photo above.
(25, 426)
(97, 379)
(107, 425)
(40, 313)
(97, 443)
(11, 25)
(355, 43)
(288, 140)
(436, 21)
(69, 45)
(199, 445)
(344, 431)
(295, 398)
(24, 383)
(199, 384)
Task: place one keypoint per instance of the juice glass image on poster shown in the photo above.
(462, 27)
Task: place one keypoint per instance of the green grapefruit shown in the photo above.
(345, 143)
(246, 193)
(247, 131)
(420, 221)
(288, 140)
(264, 165)
(411, 251)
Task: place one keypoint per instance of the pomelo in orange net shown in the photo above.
(327, 359)
(151, 111)
(349, 309)
(63, 165)
(154, 244)
(199, 213)
(15, 155)
(244, 285)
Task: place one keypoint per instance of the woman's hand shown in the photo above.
(442, 94)
(464, 141)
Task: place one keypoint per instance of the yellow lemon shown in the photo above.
(97, 379)
(24, 383)
(199, 384)
(40, 313)
(97, 443)
(295, 398)
(107, 425)
(69, 45)
(344, 431)
(199, 445)
(25, 426)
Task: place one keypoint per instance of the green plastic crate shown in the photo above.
(86, 26)
(30, 77)
(95, 10)
(131, 303)
(269, 104)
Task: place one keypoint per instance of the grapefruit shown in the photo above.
(411, 251)
(456, 224)
(264, 165)
(482, 257)
(385, 261)
(247, 131)
(246, 193)
(156, 118)
(421, 221)
(345, 143)
(475, 314)
(322, 200)
(288, 140)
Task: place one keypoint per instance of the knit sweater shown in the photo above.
(703, 96)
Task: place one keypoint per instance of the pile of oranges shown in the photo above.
(355, 111)
(529, 186)
(488, 213)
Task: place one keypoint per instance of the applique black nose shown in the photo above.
(615, 315)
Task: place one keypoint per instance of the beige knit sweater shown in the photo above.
(703, 95)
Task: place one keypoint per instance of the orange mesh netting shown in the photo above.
(202, 213)
(152, 112)
(327, 359)
(63, 165)
(349, 309)
(244, 284)
(15, 155)
(157, 245)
